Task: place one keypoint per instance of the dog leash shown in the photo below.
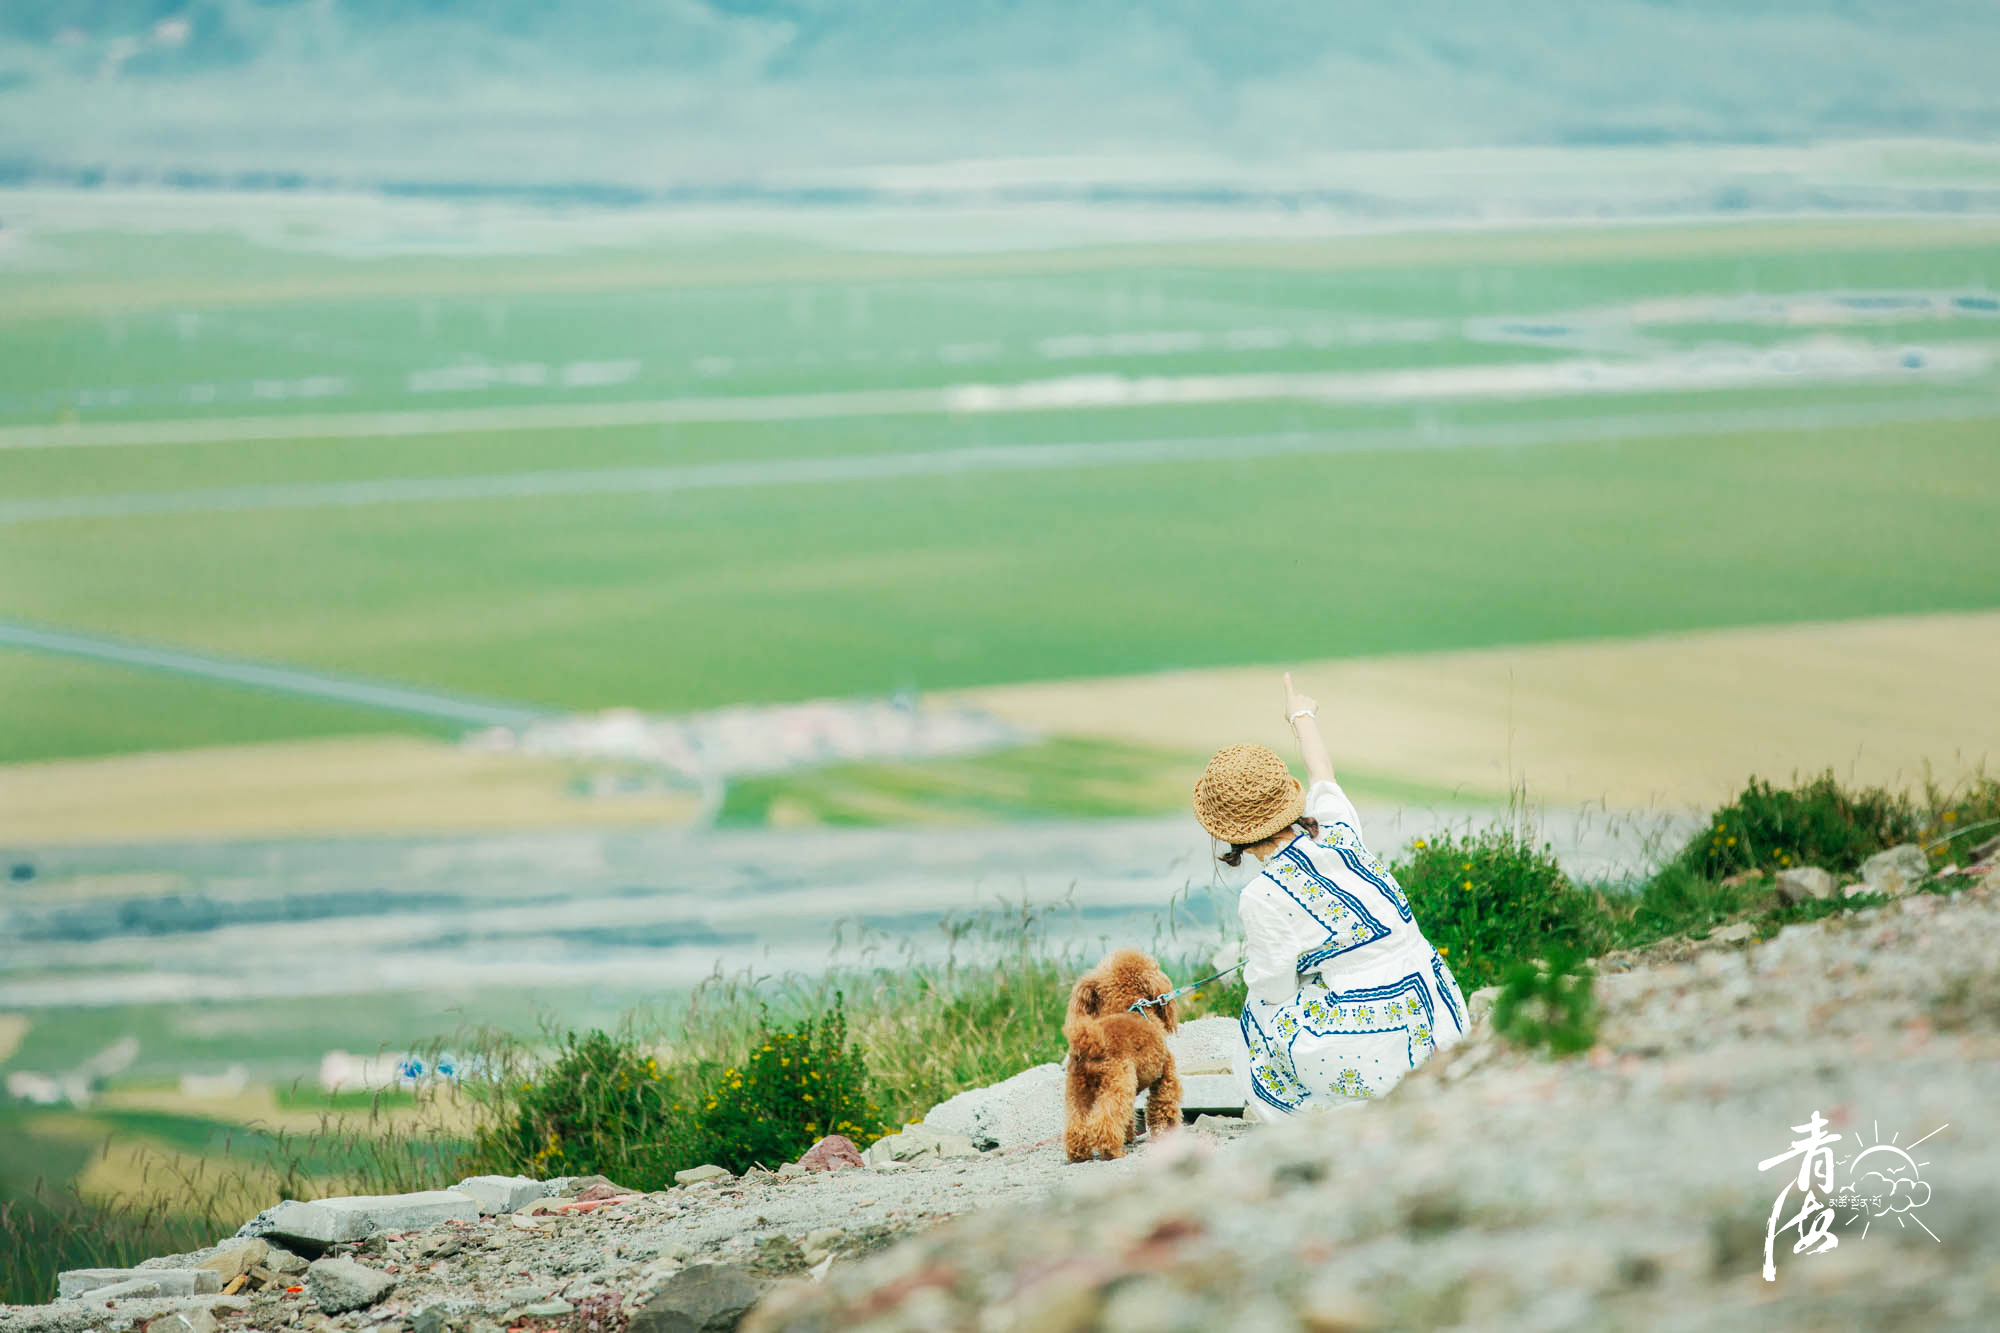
(1172, 995)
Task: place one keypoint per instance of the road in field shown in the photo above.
(258, 675)
(988, 458)
(1699, 370)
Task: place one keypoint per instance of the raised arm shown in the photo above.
(1299, 711)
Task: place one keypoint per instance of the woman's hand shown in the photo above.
(1299, 711)
(1296, 703)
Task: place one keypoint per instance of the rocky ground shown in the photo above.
(1619, 1189)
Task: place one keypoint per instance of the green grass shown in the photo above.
(794, 592)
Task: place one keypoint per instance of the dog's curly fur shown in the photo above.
(1114, 1052)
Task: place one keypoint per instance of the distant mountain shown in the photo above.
(656, 91)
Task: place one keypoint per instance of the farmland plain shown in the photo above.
(1062, 463)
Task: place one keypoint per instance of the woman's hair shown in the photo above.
(1234, 856)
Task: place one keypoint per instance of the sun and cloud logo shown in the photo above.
(1886, 1180)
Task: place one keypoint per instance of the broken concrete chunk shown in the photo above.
(1219, 1093)
(140, 1288)
(340, 1285)
(1024, 1109)
(325, 1222)
(695, 1175)
(501, 1194)
(918, 1143)
(170, 1281)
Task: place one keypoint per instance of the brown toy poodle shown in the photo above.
(1115, 1051)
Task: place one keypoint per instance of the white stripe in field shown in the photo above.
(285, 680)
(986, 458)
(1820, 361)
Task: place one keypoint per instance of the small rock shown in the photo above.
(430, 1319)
(550, 1309)
(835, 1152)
(339, 1285)
(1897, 870)
(1330, 1305)
(707, 1298)
(513, 1298)
(197, 1320)
(1799, 883)
(1737, 930)
(281, 1260)
(825, 1238)
(790, 1169)
(236, 1257)
(696, 1175)
(599, 1191)
(577, 1186)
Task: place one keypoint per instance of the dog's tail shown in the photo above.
(1087, 1042)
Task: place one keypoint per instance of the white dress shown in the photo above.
(1346, 994)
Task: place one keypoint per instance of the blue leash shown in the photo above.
(1138, 1005)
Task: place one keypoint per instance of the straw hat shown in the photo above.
(1246, 794)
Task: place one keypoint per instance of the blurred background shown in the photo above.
(508, 508)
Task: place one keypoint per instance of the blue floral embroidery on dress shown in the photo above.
(1348, 924)
(1345, 842)
(1447, 985)
(1349, 1084)
(1273, 1076)
(1403, 1005)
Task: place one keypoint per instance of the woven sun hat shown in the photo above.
(1246, 794)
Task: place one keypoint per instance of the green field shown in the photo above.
(1465, 521)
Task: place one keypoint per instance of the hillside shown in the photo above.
(660, 91)
(1491, 1188)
